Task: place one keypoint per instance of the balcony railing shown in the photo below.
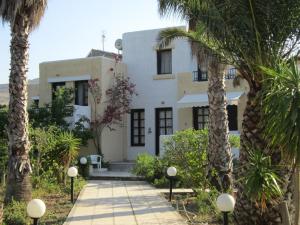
(231, 73)
(199, 76)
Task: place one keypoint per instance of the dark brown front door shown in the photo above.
(163, 124)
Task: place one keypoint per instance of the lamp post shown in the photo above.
(83, 161)
(171, 172)
(72, 172)
(225, 203)
(36, 208)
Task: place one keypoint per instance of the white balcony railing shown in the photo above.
(202, 75)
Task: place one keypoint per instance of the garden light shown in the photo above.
(83, 161)
(225, 203)
(36, 208)
(171, 172)
(72, 172)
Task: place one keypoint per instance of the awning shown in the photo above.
(69, 78)
(198, 100)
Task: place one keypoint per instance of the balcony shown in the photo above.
(230, 73)
(199, 75)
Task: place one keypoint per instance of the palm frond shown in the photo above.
(281, 108)
(261, 179)
(185, 9)
(33, 9)
(166, 36)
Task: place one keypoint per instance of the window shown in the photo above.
(164, 61)
(137, 127)
(200, 75)
(232, 117)
(81, 93)
(36, 102)
(200, 117)
(231, 73)
(56, 86)
(201, 114)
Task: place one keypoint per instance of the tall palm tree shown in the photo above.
(249, 33)
(219, 152)
(23, 16)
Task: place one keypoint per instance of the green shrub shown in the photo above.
(206, 201)
(54, 114)
(15, 214)
(234, 141)
(53, 151)
(149, 167)
(162, 182)
(79, 182)
(186, 150)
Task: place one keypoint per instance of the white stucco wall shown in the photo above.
(139, 54)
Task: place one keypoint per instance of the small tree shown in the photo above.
(55, 113)
(117, 104)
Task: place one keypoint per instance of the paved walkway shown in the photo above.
(114, 174)
(122, 203)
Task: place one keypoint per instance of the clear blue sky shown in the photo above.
(70, 28)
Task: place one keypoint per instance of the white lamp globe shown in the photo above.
(72, 171)
(225, 202)
(36, 208)
(172, 171)
(83, 161)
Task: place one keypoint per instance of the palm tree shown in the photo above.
(23, 16)
(219, 152)
(281, 92)
(249, 33)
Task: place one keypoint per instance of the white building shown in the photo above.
(156, 87)
(172, 92)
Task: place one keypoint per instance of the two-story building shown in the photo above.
(172, 92)
(75, 74)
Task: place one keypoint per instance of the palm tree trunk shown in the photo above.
(297, 195)
(219, 151)
(246, 211)
(1, 213)
(19, 169)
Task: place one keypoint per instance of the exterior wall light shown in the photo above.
(36, 208)
(72, 172)
(225, 203)
(171, 172)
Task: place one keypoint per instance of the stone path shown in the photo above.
(108, 175)
(122, 203)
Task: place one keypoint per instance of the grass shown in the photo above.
(57, 200)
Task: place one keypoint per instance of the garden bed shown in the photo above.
(56, 198)
(196, 209)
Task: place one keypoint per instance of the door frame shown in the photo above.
(157, 127)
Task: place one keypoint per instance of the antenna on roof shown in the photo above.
(103, 39)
